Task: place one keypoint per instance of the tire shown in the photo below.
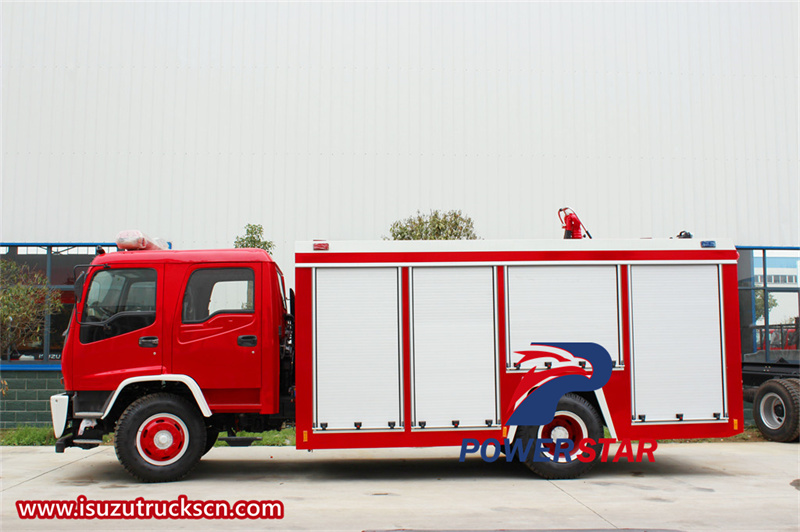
(575, 419)
(776, 410)
(160, 438)
(211, 438)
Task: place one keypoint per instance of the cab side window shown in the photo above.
(119, 301)
(218, 290)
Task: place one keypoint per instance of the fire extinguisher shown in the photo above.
(571, 224)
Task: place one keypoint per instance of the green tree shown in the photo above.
(451, 225)
(771, 302)
(254, 238)
(25, 299)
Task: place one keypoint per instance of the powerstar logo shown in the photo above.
(559, 369)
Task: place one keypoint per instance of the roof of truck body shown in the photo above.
(512, 251)
(586, 244)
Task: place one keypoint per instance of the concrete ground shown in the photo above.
(697, 486)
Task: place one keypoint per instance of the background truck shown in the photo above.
(401, 344)
(769, 297)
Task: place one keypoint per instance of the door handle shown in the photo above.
(148, 341)
(248, 340)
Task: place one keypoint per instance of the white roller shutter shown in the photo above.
(454, 356)
(677, 344)
(357, 348)
(562, 304)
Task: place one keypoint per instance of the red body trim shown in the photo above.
(304, 367)
(406, 338)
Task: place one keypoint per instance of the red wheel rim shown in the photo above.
(565, 426)
(162, 439)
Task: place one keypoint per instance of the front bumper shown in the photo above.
(59, 409)
(69, 434)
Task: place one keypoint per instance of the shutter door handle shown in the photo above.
(148, 341)
(247, 340)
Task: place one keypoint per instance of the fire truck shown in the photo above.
(402, 344)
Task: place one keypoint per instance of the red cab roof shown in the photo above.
(181, 256)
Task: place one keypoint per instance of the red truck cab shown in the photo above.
(207, 326)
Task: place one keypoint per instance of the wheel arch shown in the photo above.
(597, 399)
(134, 387)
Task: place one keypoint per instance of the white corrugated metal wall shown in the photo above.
(189, 120)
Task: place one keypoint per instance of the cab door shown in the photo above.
(218, 334)
(120, 326)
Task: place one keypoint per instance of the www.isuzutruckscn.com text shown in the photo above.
(140, 508)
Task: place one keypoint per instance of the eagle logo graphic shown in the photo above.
(559, 368)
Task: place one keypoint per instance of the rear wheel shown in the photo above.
(776, 410)
(160, 438)
(575, 420)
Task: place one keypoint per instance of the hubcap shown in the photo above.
(559, 433)
(565, 426)
(162, 439)
(773, 411)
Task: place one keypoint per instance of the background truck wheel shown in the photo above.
(160, 438)
(575, 420)
(776, 410)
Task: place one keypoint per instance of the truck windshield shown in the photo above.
(114, 292)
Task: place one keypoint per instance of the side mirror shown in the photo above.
(79, 286)
(291, 301)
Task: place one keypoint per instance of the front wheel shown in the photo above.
(160, 438)
(575, 420)
(212, 434)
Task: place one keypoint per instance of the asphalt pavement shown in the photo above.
(691, 486)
